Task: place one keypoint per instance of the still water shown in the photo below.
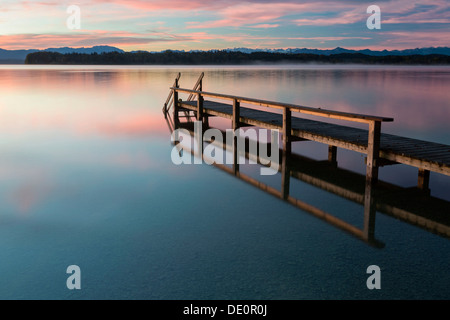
(86, 179)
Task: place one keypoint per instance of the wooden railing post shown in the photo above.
(373, 150)
(199, 107)
(287, 127)
(169, 100)
(175, 101)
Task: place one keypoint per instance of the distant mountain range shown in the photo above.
(338, 50)
(18, 56)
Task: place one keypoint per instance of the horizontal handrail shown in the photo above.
(294, 108)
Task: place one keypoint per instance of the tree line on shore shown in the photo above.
(224, 58)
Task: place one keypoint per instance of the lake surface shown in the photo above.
(86, 179)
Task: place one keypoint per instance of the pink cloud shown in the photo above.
(251, 15)
(408, 40)
(84, 38)
(240, 14)
(265, 26)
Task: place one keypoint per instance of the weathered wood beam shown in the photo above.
(199, 107)
(424, 180)
(236, 114)
(373, 150)
(287, 128)
(332, 155)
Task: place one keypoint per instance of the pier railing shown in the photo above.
(374, 122)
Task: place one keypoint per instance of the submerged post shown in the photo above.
(287, 127)
(373, 150)
(235, 126)
(199, 107)
(236, 114)
(424, 180)
(332, 155)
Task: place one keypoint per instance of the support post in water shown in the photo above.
(199, 107)
(235, 126)
(373, 150)
(236, 114)
(424, 180)
(175, 102)
(287, 127)
(332, 155)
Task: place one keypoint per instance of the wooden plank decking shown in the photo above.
(418, 153)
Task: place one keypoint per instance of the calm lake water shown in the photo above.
(86, 179)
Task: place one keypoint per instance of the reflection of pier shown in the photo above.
(406, 204)
(381, 149)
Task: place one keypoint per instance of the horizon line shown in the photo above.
(230, 48)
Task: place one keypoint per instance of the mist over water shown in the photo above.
(86, 179)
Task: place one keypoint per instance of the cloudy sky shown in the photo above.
(219, 24)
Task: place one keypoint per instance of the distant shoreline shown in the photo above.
(227, 58)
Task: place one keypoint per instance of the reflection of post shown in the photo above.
(369, 213)
(332, 155)
(198, 136)
(235, 126)
(285, 177)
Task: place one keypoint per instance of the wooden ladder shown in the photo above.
(171, 101)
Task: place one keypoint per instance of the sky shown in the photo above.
(156, 25)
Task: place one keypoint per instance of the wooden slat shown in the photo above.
(413, 152)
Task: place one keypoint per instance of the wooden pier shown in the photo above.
(381, 149)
